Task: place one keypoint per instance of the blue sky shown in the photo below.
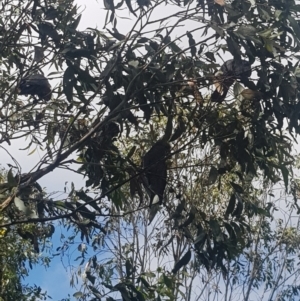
(54, 279)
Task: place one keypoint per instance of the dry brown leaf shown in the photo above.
(220, 2)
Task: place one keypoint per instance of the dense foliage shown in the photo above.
(157, 121)
(16, 261)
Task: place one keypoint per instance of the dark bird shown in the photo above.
(154, 163)
(36, 84)
(230, 71)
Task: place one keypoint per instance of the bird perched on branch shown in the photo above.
(230, 71)
(36, 84)
(154, 163)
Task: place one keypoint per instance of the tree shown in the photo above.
(137, 259)
(14, 261)
(118, 95)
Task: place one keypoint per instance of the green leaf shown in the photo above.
(210, 55)
(192, 44)
(131, 152)
(240, 206)
(277, 14)
(51, 13)
(149, 274)
(142, 40)
(264, 14)
(128, 267)
(140, 296)
(237, 187)
(295, 26)
(219, 30)
(230, 231)
(168, 281)
(233, 46)
(78, 295)
(90, 277)
(169, 128)
(180, 129)
(144, 281)
(117, 198)
(109, 4)
(285, 175)
(200, 237)
(215, 227)
(266, 33)
(95, 291)
(246, 31)
(75, 24)
(174, 47)
(83, 196)
(47, 29)
(182, 262)
(213, 175)
(128, 3)
(269, 45)
(78, 53)
(231, 205)
(32, 152)
(63, 205)
(11, 179)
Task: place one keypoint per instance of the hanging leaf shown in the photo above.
(68, 83)
(47, 29)
(78, 295)
(237, 187)
(191, 217)
(90, 277)
(180, 129)
(210, 55)
(192, 44)
(11, 179)
(295, 26)
(240, 206)
(168, 281)
(231, 205)
(182, 262)
(285, 175)
(142, 3)
(246, 31)
(75, 24)
(129, 268)
(38, 53)
(131, 152)
(169, 128)
(213, 175)
(109, 4)
(128, 3)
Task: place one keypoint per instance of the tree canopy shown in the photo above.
(177, 126)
